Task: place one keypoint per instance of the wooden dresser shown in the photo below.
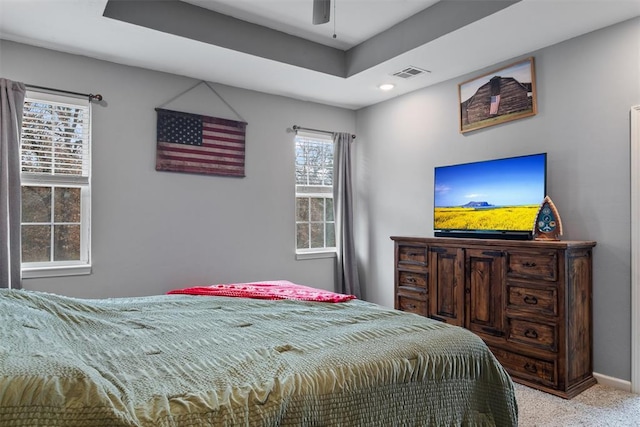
(530, 301)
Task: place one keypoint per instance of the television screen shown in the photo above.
(500, 196)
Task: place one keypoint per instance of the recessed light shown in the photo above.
(386, 86)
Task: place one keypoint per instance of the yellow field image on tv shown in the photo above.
(486, 218)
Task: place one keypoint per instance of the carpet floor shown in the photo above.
(598, 406)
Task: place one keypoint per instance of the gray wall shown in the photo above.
(585, 88)
(154, 231)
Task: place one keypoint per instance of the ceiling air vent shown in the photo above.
(409, 72)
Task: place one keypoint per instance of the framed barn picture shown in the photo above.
(499, 96)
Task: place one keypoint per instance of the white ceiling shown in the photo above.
(79, 27)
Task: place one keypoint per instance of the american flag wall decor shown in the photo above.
(194, 143)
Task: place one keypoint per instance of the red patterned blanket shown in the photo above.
(274, 290)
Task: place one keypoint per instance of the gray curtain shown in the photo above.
(11, 104)
(347, 281)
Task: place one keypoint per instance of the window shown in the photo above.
(315, 224)
(56, 189)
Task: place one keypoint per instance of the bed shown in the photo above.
(185, 360)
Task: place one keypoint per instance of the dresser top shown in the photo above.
(467, 242)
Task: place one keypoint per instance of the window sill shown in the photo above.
(315, 255)
(57, 271)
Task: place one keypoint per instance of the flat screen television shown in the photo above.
(496, 198)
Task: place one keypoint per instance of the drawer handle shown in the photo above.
(530, 368)
(411, 279)
(529, 264)
(530, 300)
(411, 306)
(531, 333)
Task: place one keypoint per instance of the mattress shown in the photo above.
(183, 360)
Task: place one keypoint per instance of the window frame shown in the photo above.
(325, 251)
(74, 267)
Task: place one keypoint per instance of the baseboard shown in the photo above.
(613, 382)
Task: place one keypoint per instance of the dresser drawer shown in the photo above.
(533, 300)
(411, 279)
(533, 334)
(411, 304)
(530, 368)
(412, 256)
(540, 265)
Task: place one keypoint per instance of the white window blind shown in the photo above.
(55, 137)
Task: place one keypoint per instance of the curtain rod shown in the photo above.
(296, 128)
(91, 96)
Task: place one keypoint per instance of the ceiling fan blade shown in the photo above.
(321, 11)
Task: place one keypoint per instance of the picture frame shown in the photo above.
(499, 96)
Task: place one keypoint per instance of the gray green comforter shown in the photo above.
(174, 360)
